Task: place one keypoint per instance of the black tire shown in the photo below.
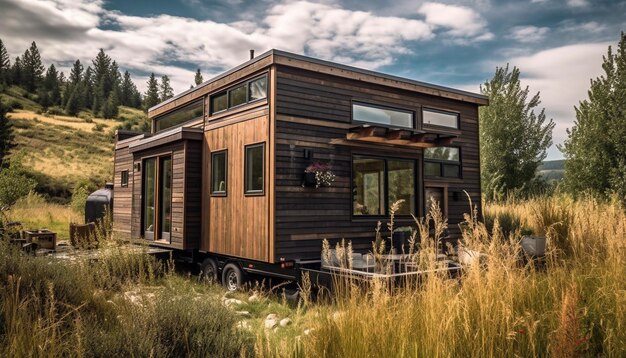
(232, 277)
(209, 270)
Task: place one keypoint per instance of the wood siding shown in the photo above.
(312, 109)
(237, 223)
(122, 199)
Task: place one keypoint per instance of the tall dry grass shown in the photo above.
(573, 305)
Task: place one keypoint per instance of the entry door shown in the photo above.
(157, 198)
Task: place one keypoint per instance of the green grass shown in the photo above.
(14, 94)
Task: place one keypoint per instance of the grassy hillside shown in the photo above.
(64, 152)
(552, 169)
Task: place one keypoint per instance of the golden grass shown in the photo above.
(34, 213)
(65, 121)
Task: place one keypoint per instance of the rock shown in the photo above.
(243, 313)
(254, 298)
(232, 302)
(273, 316)
(285, 322)
(308, 331)
(270, 323)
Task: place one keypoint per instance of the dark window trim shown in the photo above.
(142, 160)
(380, 106)
(246, 83)
(124, 174)
(156, 119)
(441, 163)
(443, 111)
(225, 192)
(247, 192)
(385, 159)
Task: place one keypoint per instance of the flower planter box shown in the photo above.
(534, 246)
(309, 180)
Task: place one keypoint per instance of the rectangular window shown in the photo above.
(219, 102)
(432, 195)
(258, 88)
(219, 168)
(368, 186)
(254, 164)
(124, 181)
(237, 96)
(440, 118)
(401, 174)
(378, 183)
(382, 115)
(179, 116)
(442, 162)
(249, 91)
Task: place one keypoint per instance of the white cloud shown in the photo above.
(591, 27)
(528, 34)
(460, 21)
(577, 3)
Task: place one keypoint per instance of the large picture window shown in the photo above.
(247, 92)
(219, 168)
(442, 162)
(440, 118)
(254, 169)
(386, 116)
(179, 116)
(378, 183)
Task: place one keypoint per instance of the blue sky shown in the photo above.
(557, 44)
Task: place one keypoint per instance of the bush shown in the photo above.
(98, 127)
(79, 198)
(13, 105)
(508, 222)
(14, 183)
(55, 110)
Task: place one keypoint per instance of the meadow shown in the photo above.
(571, 304)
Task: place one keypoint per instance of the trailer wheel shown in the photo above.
(209, 270)
(232, 277)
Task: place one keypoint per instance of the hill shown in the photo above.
(63, 152)
(552, 169)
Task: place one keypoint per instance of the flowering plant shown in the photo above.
(323, 174)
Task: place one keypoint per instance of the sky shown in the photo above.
(558, 45)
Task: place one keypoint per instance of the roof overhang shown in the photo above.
(401, 137)
(284, 58)
(166, 137)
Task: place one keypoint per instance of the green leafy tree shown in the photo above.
(6, 134)
(5, 65)
(595, 150)
(513, 138)
(198, 79)
(32, 68)
(152, 94)
(14, 183)
(166, 89)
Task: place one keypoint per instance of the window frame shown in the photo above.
(246, 191)
(386, 107)
(442, 111)
(225, 192)
(416, 185)
(160, 117)
(443, 162)
(245, 84)
(124, 174)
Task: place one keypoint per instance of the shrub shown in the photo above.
(14, 183)
(79, 198)
(55, 111)
(98, 127)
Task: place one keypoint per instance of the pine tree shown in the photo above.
(166, 90)
(76, 73)
(5, 65)
(6, 134)
(198, 79)
(513, 138)
(152, 94)
(32, 68)
(72, 107)
(16, 72)
(126, 90)
(595, 150)
(50, 94)
(102, 81)
(110, 107)
(87, 94)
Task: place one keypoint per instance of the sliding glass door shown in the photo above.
(157, 199)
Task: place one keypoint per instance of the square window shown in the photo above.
(219, 102)
(237, 96)
(432, 169)
(219, 167)
(254, 164)
(258, 88)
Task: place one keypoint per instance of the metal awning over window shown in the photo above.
(400, 137)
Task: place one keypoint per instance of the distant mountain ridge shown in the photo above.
(552, 169)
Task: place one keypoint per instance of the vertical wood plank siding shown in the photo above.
(311, 110)
(238, 223)
(122, 195)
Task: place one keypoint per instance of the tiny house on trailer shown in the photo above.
(221, 178)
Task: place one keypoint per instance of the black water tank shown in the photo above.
(98, 202)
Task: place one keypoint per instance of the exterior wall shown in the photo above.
(311, 110)
(237, 224)
(122, 198)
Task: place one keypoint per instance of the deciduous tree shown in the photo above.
(595, 150)
(513, 137)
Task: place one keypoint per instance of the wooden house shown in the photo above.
(222, 175)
